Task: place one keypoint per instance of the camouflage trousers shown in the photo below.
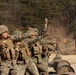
(42, 66)
(45, 58)
(7, 66)
(21, 67)
(31, 67)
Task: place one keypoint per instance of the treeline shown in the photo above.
(32, 12)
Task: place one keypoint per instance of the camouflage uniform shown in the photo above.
(28, 32)
(33, 30)
(25, 35)
(32, 40)
(38, 59)
(35, 47)
(24, 61)
(52, 45)
(8, 54)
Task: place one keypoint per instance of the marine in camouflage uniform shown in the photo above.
(36, 53)
(29, 32)
(50, 45)
(38, 59)
(24, 60)
(8, 54)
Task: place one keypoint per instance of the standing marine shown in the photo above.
(24, 60)
(36, 52)
(8, 53)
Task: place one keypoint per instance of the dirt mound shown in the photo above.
(70, 52)
(66, 42)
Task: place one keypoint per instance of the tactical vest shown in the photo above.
(23, 50)
(7, 49)
(36, 48)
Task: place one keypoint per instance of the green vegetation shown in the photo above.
(26, 13)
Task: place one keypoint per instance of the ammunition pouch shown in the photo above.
(45, 51)
(9, 54)
(39, 59)
(37, 49)
(22, 55)
(23, 51)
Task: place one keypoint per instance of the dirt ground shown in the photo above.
(70, 58)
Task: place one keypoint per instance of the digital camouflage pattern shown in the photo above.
(38, 59)
(3, 28)
(8, 55)
(24, 61)
(36, 53)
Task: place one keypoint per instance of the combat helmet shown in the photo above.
(32, 30)
(3, 29)
(16, 35)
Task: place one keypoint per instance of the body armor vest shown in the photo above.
(7, 49)
(37, 48)
(23, 50)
